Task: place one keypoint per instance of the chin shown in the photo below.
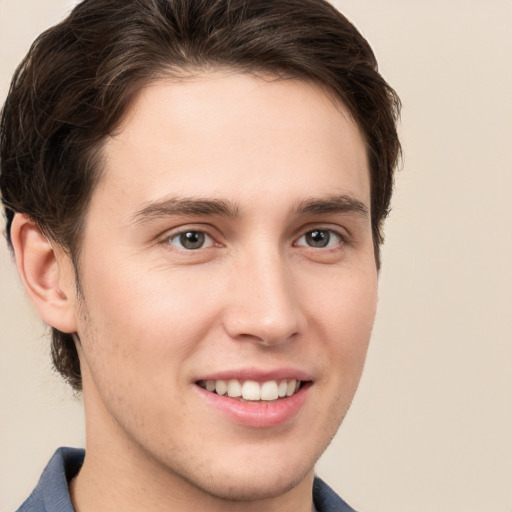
(256, 485)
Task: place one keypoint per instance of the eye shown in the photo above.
(191, 240)
(320, 239)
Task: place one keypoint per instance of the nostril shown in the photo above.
(267, 332)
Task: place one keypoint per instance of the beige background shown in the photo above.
(431, 425)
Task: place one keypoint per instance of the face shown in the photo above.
(227, 251)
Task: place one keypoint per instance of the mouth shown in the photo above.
(253, 391)
(257, 399)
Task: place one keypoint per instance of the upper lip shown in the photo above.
(258, 374)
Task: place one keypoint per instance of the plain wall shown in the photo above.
(431, 425)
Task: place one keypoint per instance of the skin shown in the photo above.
(155, 317)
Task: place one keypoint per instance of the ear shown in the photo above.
(47, 274)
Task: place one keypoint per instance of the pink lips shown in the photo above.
(259, 375)
(258, 414)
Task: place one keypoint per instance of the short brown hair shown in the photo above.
(76, 82)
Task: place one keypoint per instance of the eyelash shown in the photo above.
(191, 235)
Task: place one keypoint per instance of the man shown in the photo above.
(194, 193)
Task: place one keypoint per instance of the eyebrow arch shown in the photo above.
(184, 206)
(332, 204)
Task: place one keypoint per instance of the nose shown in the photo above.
(263, 305)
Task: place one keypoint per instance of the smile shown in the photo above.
(251, 390)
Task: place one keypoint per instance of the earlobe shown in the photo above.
(46, 274)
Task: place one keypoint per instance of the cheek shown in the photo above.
(346, 303)
(138, 334)
(149, 316)
(343, 313)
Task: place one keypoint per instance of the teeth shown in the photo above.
(234, 388)
(269, 390)
(292, 386)
(252, 390)
(282, 389)
(221, 387)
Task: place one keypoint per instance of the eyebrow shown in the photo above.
(332, 204)
(218, 207)
(184, 206)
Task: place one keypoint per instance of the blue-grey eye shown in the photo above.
(320, 238)
(191, 240)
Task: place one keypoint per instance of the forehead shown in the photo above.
(233, 134)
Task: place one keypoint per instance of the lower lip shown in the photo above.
(258, 414)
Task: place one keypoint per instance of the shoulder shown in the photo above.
(326, 500)
(51, 493)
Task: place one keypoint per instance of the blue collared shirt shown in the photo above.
(52, 494)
